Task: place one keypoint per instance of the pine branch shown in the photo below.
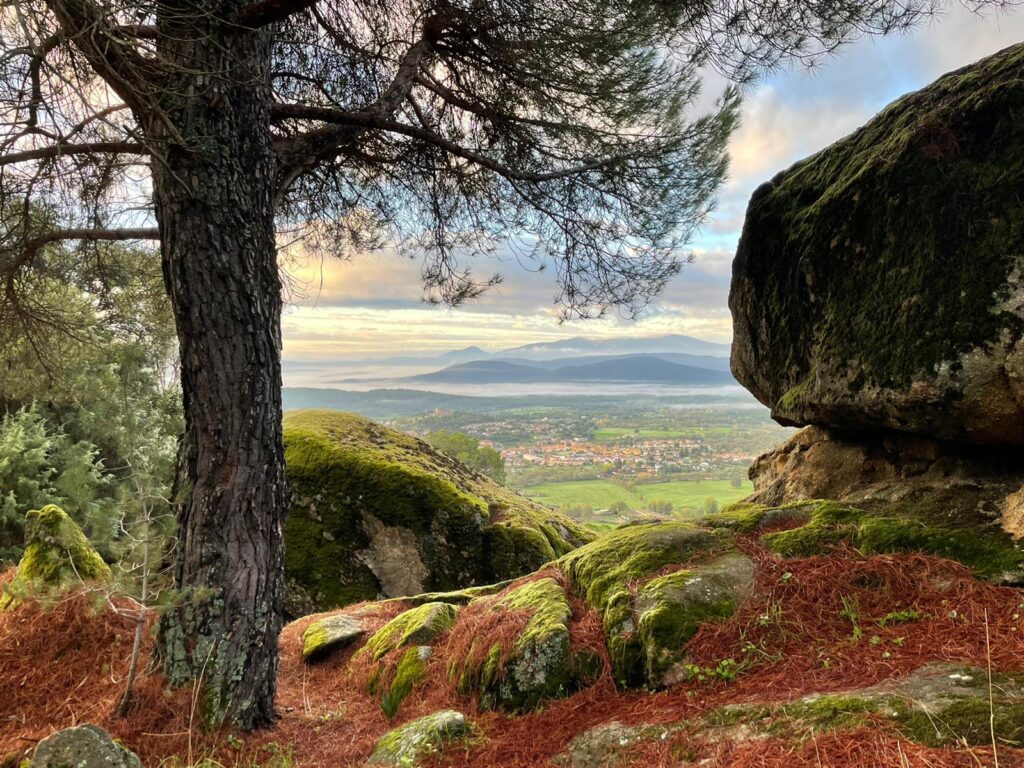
(61, 150)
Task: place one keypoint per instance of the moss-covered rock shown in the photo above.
(417, 626)
(56, 553)
(410, 670)
(748, 517)
(882, 529)
(379, 513)
(671, 608)
(408, 745)
(539, 664)
(879, 284)
(329, 634)
(937, 705)
(609, 573)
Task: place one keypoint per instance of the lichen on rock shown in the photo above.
(85, 746)
(56, 553)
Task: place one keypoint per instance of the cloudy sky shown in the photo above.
(372, 306)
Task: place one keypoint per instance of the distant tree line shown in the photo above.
(479, 458)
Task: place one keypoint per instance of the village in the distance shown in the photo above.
(603, 430)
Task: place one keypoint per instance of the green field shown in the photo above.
(606, 434)
(600, 494)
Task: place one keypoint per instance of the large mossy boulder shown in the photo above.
(379, 513)
(879, 284)
(57, 553)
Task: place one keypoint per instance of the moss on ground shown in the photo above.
(56, 553)
(799, 718)
(969, 721)
(747, 517)
(882, 529)
(350, 473)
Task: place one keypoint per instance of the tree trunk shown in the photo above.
(213, 188)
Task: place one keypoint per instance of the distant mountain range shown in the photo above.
(669, 347)
(670, 343)
(640, 369)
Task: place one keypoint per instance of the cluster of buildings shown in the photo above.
(644, 456)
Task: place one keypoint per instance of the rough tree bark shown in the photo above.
(213, 183)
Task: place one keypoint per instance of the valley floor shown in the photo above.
(686, 496)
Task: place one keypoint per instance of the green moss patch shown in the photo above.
(746, 517)
(990, 552)
(411, 669)
(607, 573)
(670, 609)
